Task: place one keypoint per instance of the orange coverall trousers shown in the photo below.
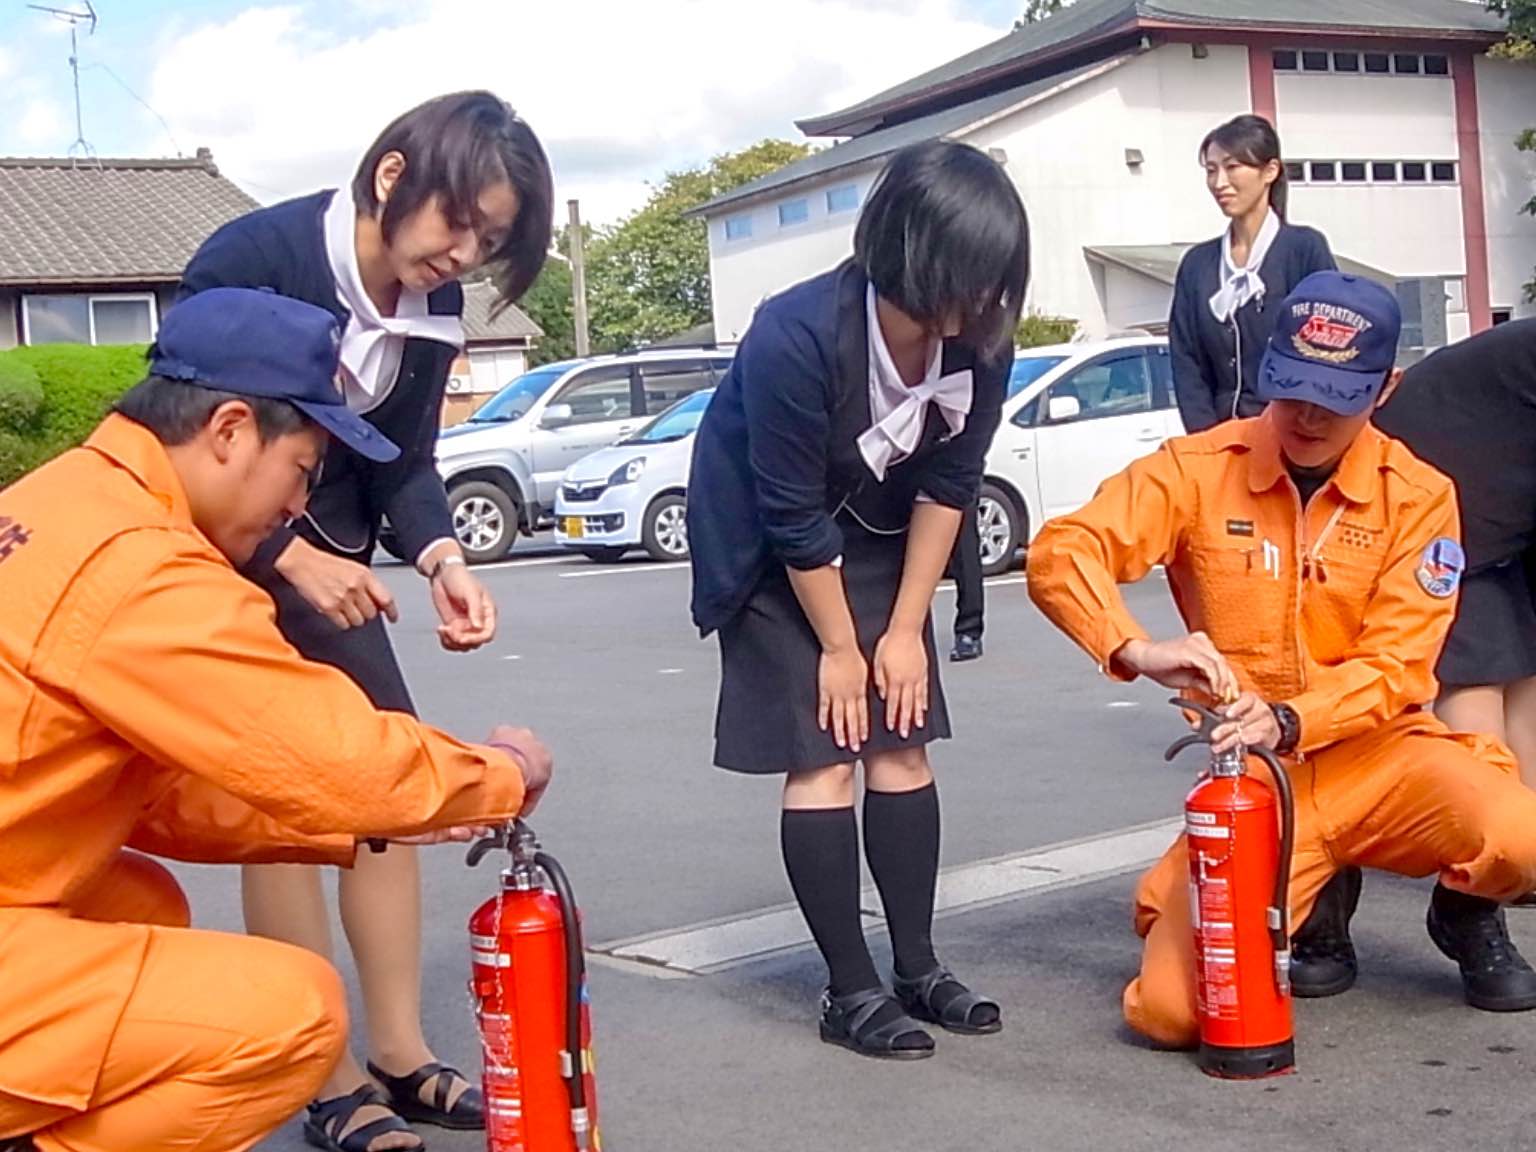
(1409, 797)
(223, 1038)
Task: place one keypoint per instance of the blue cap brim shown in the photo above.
(1339, 390)
(352, 430)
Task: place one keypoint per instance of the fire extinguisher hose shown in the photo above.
(575, 977)
(1279, 928)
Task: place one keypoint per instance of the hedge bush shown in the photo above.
(53, 395)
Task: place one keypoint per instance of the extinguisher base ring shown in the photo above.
(1248, 1063)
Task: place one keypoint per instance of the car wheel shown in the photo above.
(604, 555)
(1000, 527)
(484, 520)
(665, 532)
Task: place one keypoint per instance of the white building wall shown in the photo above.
(1132, 300)
(745, 271)
(1506, 106)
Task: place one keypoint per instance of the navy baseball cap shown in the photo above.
(254, 342)
(1334, 344)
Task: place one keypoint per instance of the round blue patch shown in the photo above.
(1441, 566)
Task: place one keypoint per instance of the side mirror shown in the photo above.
(1063, 408)
(556, 416)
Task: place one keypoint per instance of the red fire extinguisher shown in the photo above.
(529, 983)
(1239, 893)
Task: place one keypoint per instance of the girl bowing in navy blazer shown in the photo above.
(829, 475)
(455, 184)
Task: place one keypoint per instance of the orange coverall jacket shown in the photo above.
(148, 700)
(1339, 611)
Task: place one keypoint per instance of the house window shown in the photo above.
(1437, 66)
(738, 227)
(1503, 315)
(1346, 61)
(129, 318)
(1456, 294)
(1324, 171)
(844, 199)
(1415, 172)
(1353, 172)
(1285, 61)
(1378, 63)
(1406, 64)
(1314, 61)
(1295, 171)
(794, 212)
(1384, 171)
(1443, 172)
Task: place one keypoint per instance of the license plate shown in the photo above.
(574, 527)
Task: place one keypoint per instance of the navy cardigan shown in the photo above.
(283, 248)
(776, 451)
(1214, 362)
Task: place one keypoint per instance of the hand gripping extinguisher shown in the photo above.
(529, 984)
(1239, 892)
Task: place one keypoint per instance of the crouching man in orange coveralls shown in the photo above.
(148, 700)
(1315, 562)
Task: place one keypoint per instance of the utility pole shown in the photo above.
(578, 279)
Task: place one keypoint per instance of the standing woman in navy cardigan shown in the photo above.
(829, 475)
(1227, 289)
(454, 184)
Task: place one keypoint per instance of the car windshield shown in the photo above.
(516, 398)
(1028, 369)
(682, 419)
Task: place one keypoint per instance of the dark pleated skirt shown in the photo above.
(1493, 638)
(770, 657)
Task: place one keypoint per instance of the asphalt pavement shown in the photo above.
(1053, 791)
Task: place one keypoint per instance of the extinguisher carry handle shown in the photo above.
(1203, 734)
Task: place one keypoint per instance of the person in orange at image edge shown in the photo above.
(148, 701)
(1315, 562)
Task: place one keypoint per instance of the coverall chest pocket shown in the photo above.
(1334, 603)
(1242, 592)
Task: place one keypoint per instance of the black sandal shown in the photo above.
(468, 1111)
(328, 1118)
(917, 997)
(845, 1019)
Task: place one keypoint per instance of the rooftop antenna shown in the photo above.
(75, 19)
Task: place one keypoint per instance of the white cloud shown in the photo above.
(619, 92)
(43, 126)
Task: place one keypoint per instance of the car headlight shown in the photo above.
(629, 473)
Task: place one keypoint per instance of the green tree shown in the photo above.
(1036, 330)
(1038, 10)
(648, 275)
(1520, 45)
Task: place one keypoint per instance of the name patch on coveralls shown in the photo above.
(1441, 566)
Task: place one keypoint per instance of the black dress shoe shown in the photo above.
(1471, 931)
(966, 648)
(1322, 955)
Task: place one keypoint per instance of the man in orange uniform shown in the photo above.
(1315, 562)
(147, 700)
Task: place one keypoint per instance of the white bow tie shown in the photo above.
(901, 429)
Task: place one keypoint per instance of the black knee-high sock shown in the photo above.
(821, 855)
(901, 842)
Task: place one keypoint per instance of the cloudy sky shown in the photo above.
(287, 95)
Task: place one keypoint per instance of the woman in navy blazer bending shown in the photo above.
(829, 475)
(454, 184)
(1227, 289)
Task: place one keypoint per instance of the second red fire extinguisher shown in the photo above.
(1239, 892)
(530, 992)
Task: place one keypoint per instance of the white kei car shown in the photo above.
(1075, 415)
(632, 494)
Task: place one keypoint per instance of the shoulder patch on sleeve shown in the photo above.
(1441, 567)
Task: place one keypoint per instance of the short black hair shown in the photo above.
(176, 411)
(945, 232)
(455, 147)
(1252, 140)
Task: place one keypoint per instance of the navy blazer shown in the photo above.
(283, 248)
(776, 452)
(1215, 362)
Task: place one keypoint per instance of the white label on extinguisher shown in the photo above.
(1203, 832)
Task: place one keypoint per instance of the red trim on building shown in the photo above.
(1261, 82)
(1474, 220)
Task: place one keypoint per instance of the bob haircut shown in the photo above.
(1252, 140)
(944, 233)
(455, 147)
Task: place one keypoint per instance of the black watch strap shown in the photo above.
(1290, 727)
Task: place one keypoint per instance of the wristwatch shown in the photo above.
(1290, 727)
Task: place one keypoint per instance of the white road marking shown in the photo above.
(511, 657)
(720, 944)
(625, 570)
(994, 582)
(530, 562)
(669, 672)
(1123, 704)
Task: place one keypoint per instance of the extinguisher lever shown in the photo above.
(1203, 734)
